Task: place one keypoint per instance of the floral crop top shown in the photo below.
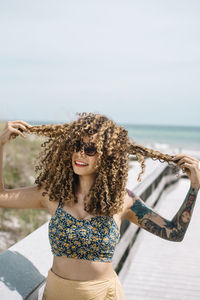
(90, 239)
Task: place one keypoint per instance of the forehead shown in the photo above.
(90, 139)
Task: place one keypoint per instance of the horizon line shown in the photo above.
(120, 123)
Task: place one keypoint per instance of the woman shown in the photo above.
(82, 183)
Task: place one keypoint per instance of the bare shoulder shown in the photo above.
(51, 206)
(43, 197)
(48, 204)
(129, 200)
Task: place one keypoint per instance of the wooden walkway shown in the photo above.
(157, 269)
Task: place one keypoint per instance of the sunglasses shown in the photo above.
(89, 148)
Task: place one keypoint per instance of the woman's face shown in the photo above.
(80, 157)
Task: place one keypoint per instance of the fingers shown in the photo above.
(13, 129)
(22, 122)
(186, 163)
(20, 127)
(181, 156)
(190, 166)
(16, 131)
(184, 160)
(17, 127)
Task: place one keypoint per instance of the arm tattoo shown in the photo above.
(151, 221)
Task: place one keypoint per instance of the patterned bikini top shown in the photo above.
(90, 239)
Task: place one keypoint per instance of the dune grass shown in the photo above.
(19, 159)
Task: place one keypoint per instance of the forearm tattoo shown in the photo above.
(151, 221)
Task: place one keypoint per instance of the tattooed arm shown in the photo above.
(139, 213)
(145, 217)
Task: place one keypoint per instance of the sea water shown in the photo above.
(164, 137)
(160, 137)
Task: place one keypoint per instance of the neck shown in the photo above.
(84, 184)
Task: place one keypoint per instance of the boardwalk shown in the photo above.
(159, 269)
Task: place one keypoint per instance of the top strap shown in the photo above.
(60, 203)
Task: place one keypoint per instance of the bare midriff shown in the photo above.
(81, 269)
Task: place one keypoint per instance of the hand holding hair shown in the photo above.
(12, 130)
(190, 166)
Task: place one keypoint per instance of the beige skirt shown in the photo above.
(58, 288)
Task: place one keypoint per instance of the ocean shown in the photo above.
(164, 137)
(160, 137)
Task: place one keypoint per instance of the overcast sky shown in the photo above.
(135, 61)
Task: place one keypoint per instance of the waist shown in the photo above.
(80, 269)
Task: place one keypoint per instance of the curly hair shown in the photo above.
(113, 145)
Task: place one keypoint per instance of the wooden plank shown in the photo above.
(160, 269)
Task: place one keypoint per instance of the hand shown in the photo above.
(190, 166)
(12, 130)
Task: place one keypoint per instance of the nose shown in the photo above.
(82, 152)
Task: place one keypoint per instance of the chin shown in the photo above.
(79, 172)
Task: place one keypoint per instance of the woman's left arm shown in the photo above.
(142, 215)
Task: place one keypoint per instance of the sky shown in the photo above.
(134, 61)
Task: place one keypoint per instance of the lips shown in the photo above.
(80, 163)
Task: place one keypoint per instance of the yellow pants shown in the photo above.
(58, 288)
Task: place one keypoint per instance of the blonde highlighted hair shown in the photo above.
(55, 172)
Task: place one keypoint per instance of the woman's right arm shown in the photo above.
(25, 197)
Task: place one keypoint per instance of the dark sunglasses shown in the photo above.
(89, 148)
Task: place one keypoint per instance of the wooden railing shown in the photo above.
(150, 190)
(24, 266)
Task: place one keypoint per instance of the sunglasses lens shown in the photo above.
(90, 150)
